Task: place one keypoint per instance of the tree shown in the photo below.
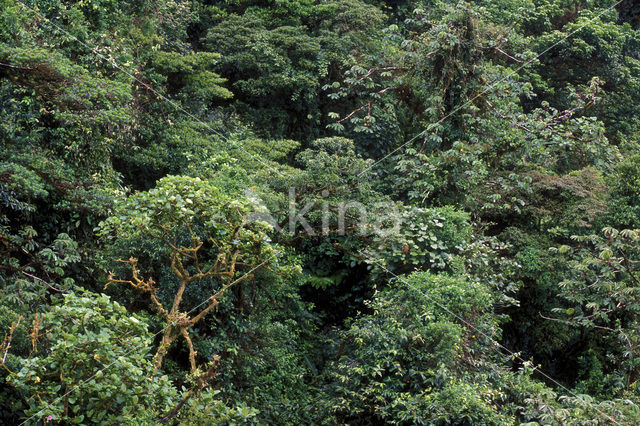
(601, 297)
(89, 361)
(205, 238)
(411, 361)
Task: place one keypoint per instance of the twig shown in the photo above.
(43, 281)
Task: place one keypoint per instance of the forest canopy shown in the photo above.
(319, 212)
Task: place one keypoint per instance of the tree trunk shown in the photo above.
(167, 340)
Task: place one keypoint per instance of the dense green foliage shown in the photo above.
(319, 212)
